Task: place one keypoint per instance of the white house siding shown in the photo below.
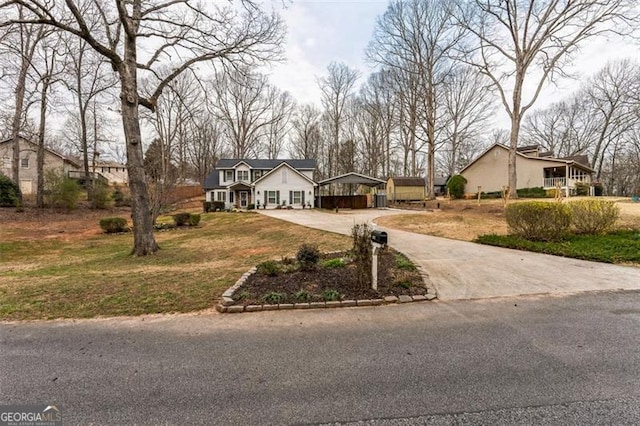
(491, 171)
(284, 185)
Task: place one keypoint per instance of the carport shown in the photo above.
(350, 201)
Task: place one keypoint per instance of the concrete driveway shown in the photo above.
(463, 270)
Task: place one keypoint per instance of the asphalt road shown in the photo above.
(544, 360)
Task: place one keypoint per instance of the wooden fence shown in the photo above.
(342, 201)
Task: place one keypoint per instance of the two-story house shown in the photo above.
(28, 169)
(263, 183)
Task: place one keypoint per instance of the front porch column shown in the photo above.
(566, 180)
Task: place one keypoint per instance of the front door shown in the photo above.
(243, 199)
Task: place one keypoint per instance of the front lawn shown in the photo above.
(617, 247)
(54, 276)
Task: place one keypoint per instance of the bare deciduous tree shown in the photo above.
(521, 45)
(307, 139)
(416, 37)
(337, 89)
(248, 109)
(467, 105)
(177, 34)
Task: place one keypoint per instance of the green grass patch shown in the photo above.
(334, 263)
(402, 262)
(615, 247)
(97, 276)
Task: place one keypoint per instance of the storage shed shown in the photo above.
(405, 189)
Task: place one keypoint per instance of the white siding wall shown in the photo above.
(294, 182)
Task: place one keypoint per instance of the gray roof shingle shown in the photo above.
(212, 181)
(409, 181)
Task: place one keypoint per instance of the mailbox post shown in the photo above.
(378, 240)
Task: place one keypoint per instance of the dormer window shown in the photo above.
(228, 175)
(243, 175)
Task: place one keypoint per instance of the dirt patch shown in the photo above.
(39, 224)
(323, 282)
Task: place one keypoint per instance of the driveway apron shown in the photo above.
(463, 270)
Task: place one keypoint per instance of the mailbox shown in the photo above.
(379, 237)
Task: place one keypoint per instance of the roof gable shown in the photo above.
(287, 165)
(567, 160)
(48, 150)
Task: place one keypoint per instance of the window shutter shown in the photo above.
(302, 198)
(266, 194)
(290, 197)
(277, 197)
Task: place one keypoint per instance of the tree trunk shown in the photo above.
(17, 121)
(144, 240)
(516, 118)
(41, 133)
(513, 149)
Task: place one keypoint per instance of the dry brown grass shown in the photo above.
(458, 219)
(54, 265)
(466, 220)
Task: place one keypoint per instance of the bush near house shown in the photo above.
(538, 220)
(455, 185)
(9, 192)
(113, 225)
(60, 190)
(582, 189)
(186, 219)
(593, 216)
(535, 192)
(194, 219)
(308, 256)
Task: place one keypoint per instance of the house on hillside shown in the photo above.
(115, 173)
(28, 163)
(405, 189)
(534, 168)
(262, 183)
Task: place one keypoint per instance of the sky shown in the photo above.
(321, 31)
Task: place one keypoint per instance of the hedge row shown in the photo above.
(543, 221)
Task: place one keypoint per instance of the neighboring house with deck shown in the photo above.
(29, 163)
(262, 183)
(534, 168)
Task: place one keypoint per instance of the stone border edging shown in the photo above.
(226, 305)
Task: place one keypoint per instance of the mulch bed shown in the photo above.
(392, 281)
